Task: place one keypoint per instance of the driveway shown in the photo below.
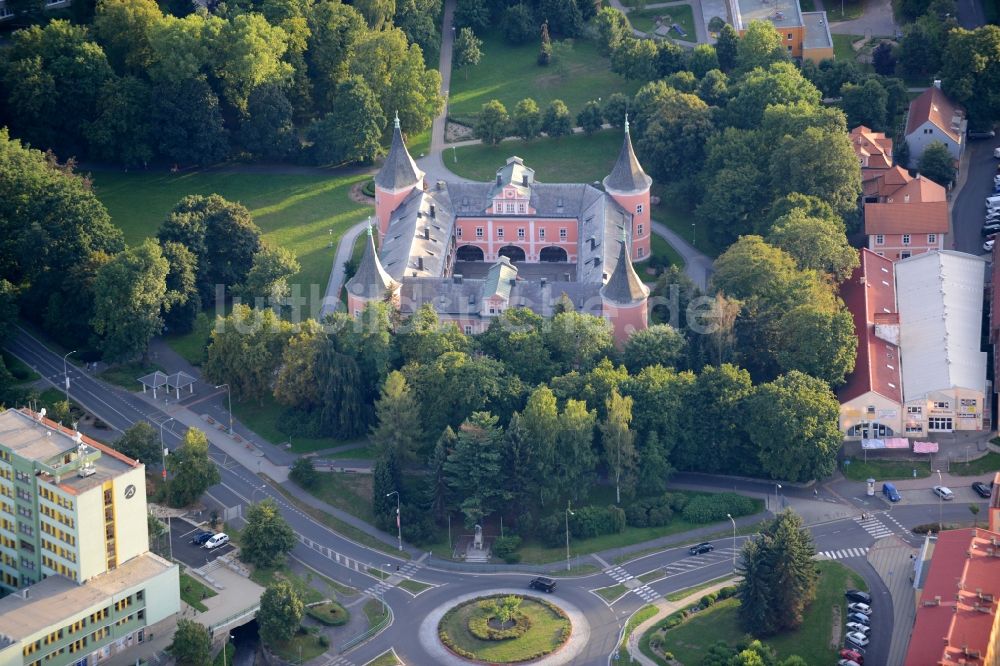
(876, 21)
(968, 211)
(184, 551)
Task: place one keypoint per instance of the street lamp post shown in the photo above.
(228, 638)
(66, 374)
(399, 527)
(777, 499)
(940, 503)
(261, 488)
(733, 520)
(694, 229)
(163, 449)
(229, 396)
(569, 513)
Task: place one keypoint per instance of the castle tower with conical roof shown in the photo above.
(624, 298)
(371, 282)
(629, 185)
(398, 177)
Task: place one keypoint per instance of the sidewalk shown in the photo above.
(892, 559)
(663, 609)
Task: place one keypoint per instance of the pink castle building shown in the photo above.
(473, 250)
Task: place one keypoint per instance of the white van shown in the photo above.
(996, 153)
(993, 203)
(220, 539)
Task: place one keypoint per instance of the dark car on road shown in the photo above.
(700, 548)
(542, 583)
(860, 618)
(982, 489)
(200, 537)
(858, 596)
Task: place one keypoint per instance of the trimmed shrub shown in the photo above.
(504, 547)
(479, 626)
(727, 592)
(329, 613)
(711, 508)
(708, 599)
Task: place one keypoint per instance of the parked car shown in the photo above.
(890, 492)
(982, 489)
(996, 153)
(987, 247)
(987, 134)
(200, 537)
(217, 540)
(853, 655)
(699, 548)
(543, 583)
(944, 492)
(858, 607)
(859, 596)
(857, 638)
(857, 626)
(991, 228)
(847, 662)
(860, 618)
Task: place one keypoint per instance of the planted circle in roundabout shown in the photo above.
(504, 628)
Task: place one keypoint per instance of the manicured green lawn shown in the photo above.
(347, 491)
(678, 220)
(852, 9)
(301, 648)
(374, 611)
(569, 159)
(885, 470)
(666, 252)
(811, 640)
(263, 418)
(305, 588)
(127, 375)
(650, 576)
(637, 618)
(296, 212)
(21, 371)
(682, 15)
(543, 636)
(194, 591)
(192, 345)
(842, 49)
(414, 586)
(988, 463)
(688, 591)
(611, 592)
(387, 658)
(330, 613)
(511, 73)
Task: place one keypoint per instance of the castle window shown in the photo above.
(562, 234)
(468, 330)
(520, 233)
(641, 252)
(479, 232)
(879, 239)
(500, 233)
(510, 208)
(638, 209)
(521, 209)
(906, 239)
(459, 232)
(932, 238)
(541, 234)
(639, 230)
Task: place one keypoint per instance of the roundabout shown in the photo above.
(475, 627)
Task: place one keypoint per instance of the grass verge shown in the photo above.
(127, 375)
(329, 613)
(342, 528)
(988, 463)
(414, 586)
(886, 470)
(346, 491)
(637, 618)
(387, 658)
(191, 345)
(611, 592)
(546, 631)
(225, 657)
(18, 368)
(263, 418)
(842, 49)
(301, 648)
(510, 73)
(303, 586)
(686, 592)
(650, 576)
(193, 592)
(375, 611)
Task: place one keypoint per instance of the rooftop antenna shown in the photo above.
(395, 121)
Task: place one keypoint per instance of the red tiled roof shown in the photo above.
(871, 290)
(885, 182)
(876, 146)
(958, 604)
(906, 218)
(932, 105)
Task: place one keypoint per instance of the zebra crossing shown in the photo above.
(874, 526)
(619, 574)
(844, 554)
(407, 570)
(645, 592)
(898, 524)
(338, 660)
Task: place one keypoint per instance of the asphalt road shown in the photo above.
(970, 207)
(346, 561)
(970, 14)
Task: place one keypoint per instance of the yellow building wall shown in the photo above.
(887, 412)
(791, 37)
(817, 54)
(90, 533)
(131, 533)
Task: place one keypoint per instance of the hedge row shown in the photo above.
(659, 511)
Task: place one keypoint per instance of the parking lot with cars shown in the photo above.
(970, 232)
(188, 542)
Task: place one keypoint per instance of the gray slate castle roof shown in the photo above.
(399, 169)
(624, 287)
(370, 280)
(627, 175)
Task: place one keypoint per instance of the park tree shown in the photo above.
(438, 493)
(280, 612)
(492, 123)
(778, 576)
(250, 54)
(245, 351)
(473, 14)
(884, 59)
(267, 279)
(659, 398)
(970, 70)
(921, 50)
(396, 73)
(352, 130)
(296, 380)
(654, 467)
(866, 104)
(760, 46)
(660, 344)
(192, 644)
(423, 338)
(612, 27)
(188, 122)
(636, 59)
(618, 442)
(817, 341)
(267, 130)
(575, 460)
(386, 479)
(615, 107)
(140, 442)
(121, 131)
(727, 48)
(804, 448)
(418, 20)
(590, 117)
(400, 428)
(220, 233)
(334, 30)
(818, 243)
(683, 81)
(344, 409)
(518, 24)
(267, 537)
(832, 175)
(473, 467)
(937, 164)
(673, 143)
(713, 89)
(123, 29)
(191, 471)
(516, 339)
(376, 12)
(539, 422)
(702, 60)
(556, 121)
(527, 120)
(468, 50)
(715, 441)
(563, 17)
(578, 341)
(304, 473)
(128, 297)
(780, 83)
